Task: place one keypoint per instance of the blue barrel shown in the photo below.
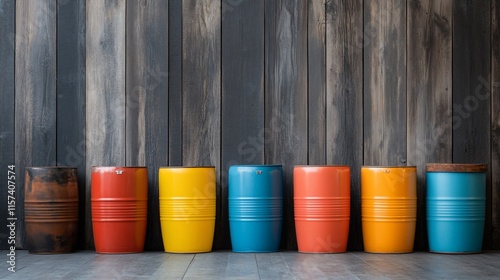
(255, 207)
(456, 195)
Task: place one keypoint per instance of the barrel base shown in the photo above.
(117, 253)
(314, 252)
(455, 253)
(119, 237)
(255, 237)
(51, 238)
(386, 252)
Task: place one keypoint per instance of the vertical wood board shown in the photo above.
(242, 96)
(429, 91)
(105, 91)
(35, 90)
(71, 96)
(344, 85)
(286, 97)
(147, 100)
(7, 55)
(384, 82)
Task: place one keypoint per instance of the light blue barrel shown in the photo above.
(255, 195)
(456, 195)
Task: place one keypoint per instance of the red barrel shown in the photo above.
(322, 200)
(119, 208)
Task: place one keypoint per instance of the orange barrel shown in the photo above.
(51, 209)
(322, 199)
(119, 208)
(388, 208)
(187, 208)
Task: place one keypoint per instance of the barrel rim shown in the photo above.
(256, 165)
(457, 167)
(320, 165)
(117, 166)
(190, 167)
(389, 166)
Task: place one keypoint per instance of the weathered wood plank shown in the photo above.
(316, 60)
(471, 101)
(495, 123)
(147, 100)
(344, 85)
(286, 97)
(7, 47)
(429, 87)
(175, 82)
(35, 105)
(242, 95)
(385, 82)
(71, 95)
(105, 87)
(201, 68)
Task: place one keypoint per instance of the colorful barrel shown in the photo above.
(322, 203)
(187, 208)
(388, 208)
(255, 207)
(51, 209)
(119, 201)
(456, 195)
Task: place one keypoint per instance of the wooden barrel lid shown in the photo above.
(456, 167)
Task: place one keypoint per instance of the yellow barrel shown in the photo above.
(187, 208)
(388, 208)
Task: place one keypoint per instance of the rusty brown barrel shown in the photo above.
(51, 209)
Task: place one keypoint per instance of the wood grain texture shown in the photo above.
(35, 89)
(286, 97)
(495, 122)
(456, 167)
(242, 96)
(471, 81)
(71, 96)
(175, 82)
(7, 54)
(316, 65)
(344, 86)
(429, 88)
(105, 87)
(201, 130)
(147, 100)
(385, 82)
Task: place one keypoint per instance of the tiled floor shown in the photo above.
(228, 265)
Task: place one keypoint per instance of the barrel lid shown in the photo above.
(456, 167)
(388, 166)
(187, 166)
(319, 165)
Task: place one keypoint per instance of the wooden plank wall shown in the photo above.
(7, 47)
(147, 99)
(471, 103)
(428, 71)
(494, 92)
(35, 90)
(222, 82)
(344, 100)
(105, 107)
(242, 95)
(71, 95)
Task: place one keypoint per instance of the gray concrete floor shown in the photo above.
(229, 265)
